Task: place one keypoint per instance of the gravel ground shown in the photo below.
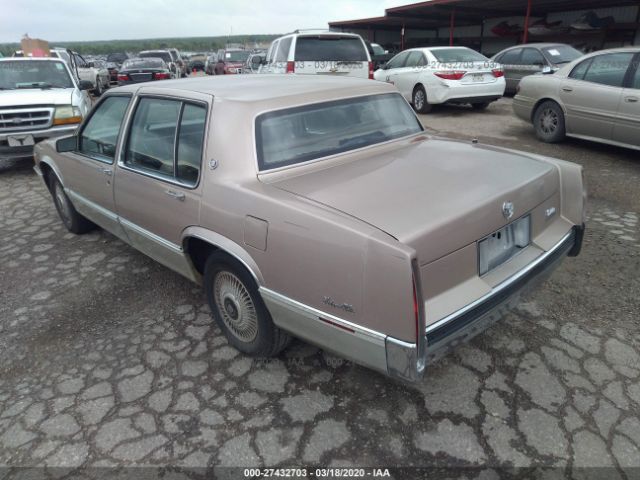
(109, 359)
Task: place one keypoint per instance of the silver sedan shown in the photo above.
(596, 97)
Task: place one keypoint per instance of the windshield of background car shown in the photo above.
(163, 55)
(300, 134)
(143, 63)
(117, 57)
(236, 56)
(377, 49)
(34, 74)
(561, 54)
(458, 55)
(330, 48)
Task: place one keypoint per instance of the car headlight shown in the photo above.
(66, 115)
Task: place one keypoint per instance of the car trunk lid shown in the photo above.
(436, 195)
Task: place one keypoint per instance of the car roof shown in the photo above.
(257, 88)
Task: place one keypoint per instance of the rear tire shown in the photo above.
(548, 120)
(480, 106)
(239, 310)
(419, 100)
(72, 220)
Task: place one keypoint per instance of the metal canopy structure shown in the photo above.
(438, 14)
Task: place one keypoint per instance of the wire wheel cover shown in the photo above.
(235, 306)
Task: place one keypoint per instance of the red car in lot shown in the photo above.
(231, 60)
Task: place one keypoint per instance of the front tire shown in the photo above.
(72, 220)
(239, 310)
(548, 121)
(419, 100)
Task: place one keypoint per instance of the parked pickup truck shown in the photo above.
(39, 98)
(317, 206)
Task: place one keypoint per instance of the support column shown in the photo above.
(402, 38)
(452, 25)
(525, 37)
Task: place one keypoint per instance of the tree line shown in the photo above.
(189, 44)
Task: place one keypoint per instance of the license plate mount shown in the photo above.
(20, 140)
(503, 244)
(477, 77)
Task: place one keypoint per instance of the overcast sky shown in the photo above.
(69, 20)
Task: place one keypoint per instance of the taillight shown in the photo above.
(497, 72)
(450, 74)
(161, 76)
(370, 70)
(123, 77)
(291, 67)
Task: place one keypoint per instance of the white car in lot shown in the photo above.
(318, 53)
(436, 75)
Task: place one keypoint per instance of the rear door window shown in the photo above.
(166, 139)
(531, 56)
(512, 57)
(398, 61)
(609, 69)
(99, 136)
(415, 59)
(330, 48)
(282, 55)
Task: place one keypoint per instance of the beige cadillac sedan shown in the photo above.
(318, 208)
(596, 97)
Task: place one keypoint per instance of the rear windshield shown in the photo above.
(236, 56)
(26, 74)
(117, 57)
(301, 134)
(144, 63)
(330, 48)
(561, 54)
(163, 55)
(457, 55)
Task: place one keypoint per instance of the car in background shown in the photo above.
(379, 56)
(596, 97)
(163, 55)
(91, 72)
(179, 61)
(437, 75)
(138, 70)
(197, 62)
(531, 58)
(339, 221)
(319, 52)
(39, 98)
(231, 60)
(210, 64)
(114, 61)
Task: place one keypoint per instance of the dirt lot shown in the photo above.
(107, 358)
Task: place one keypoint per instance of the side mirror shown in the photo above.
(91, 65)
(256, 61)
(384, 66)
(547, 70)
(85, 85)
(67, 144)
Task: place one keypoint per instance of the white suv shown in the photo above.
(319, 53)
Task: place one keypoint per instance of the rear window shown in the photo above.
(330, 48)
(300, 134)
(561, 54)
(455, 55)
(144, 63)
(236, 56)
(163, 55)
(117, 57)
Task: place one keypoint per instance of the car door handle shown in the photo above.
(106, 171)
(567, 89)
(176, 195)
(631, 99)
